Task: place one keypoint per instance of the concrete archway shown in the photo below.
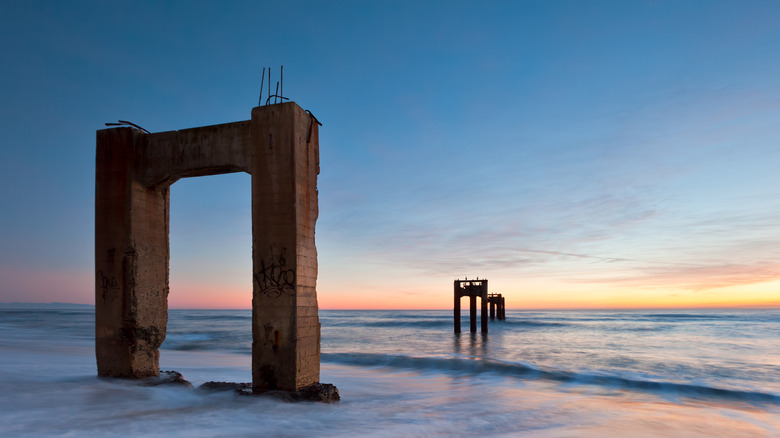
(279, 148)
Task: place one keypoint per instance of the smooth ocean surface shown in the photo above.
(404, 373)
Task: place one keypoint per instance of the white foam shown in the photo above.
(48, 387)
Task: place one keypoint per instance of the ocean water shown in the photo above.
(686, 373)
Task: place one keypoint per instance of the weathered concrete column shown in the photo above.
(456, 308)
(484, 311)
(285, 324)
(131, 259)
(473, 313)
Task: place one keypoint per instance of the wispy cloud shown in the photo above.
(605, 240)
(693, 278)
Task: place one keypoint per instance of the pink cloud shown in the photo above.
(695, 278)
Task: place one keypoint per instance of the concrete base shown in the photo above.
(317, 392)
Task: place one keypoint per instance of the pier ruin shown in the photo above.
(279, 148)
(497, 305)
(477, 289)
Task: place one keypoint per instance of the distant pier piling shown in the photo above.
(477, 289)
(473, 289)
(497, 306)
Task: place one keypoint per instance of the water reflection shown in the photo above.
(470, 344)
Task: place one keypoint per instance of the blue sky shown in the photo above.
(583, 153)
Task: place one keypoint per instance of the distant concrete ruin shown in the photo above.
(279, 148)
(497, 304)
(473, 289)
(477, 289)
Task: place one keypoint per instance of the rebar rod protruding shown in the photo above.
(125, 122)
(262, 81)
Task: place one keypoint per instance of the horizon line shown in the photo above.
(692, 307)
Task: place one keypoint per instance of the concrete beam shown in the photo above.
(208, 150)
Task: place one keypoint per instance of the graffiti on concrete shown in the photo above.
(107, 284)
(274, 278)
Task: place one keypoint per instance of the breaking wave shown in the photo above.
(468, 366)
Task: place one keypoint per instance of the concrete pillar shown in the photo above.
(285, 324)
(484, 313)
(492, 309)
(131, 259)
(503, 308)
(456, 308)
(473, 313)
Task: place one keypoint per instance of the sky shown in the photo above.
(577, 154)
